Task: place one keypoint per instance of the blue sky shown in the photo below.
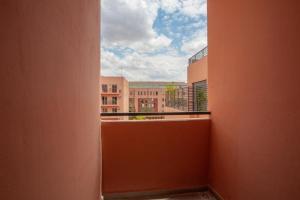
(151, 40)
(177, 26)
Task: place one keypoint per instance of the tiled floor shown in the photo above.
(187, 196)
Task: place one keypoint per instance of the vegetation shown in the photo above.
(171, 89)
(201, 99)
(170, 95)
(138, 118)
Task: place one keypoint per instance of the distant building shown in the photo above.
(114, 94)
(149, 96)
(176, 98)
(197, 81)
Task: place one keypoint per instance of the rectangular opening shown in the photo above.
(154, 60)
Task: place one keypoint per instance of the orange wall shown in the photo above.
(154, 155)
(254, 98)
(197, 71)
(49, 55)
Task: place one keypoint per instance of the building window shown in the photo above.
(114, 100)
(131, 105)
(144, 92)
(104, 110)
(114, 110)
(156, 93)
(104, 100)
(104, 88)
(114, 88)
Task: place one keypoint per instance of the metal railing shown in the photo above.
(198, 55)
(131, 114)
(108, 103)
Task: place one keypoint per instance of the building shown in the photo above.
(197, 81)
(114, 94)
(149, 96)
(176, 98)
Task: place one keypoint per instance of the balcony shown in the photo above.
(111, 94)
(111, 91)
(110, 105)
(50, 144)
(154, 155)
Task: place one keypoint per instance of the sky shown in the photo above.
(151, 40)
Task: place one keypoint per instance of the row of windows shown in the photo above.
(114, 88)
(151, 105)
(114, 100)
(145, 93)
(105, 110)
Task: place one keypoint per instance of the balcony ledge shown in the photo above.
(156, 120)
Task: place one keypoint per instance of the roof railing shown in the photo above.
(198, 55)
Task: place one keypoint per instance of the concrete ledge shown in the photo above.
(153, 194)
(155, 120)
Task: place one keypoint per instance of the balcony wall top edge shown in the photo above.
(156, 120)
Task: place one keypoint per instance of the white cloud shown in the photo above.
(128, 24)
(170, 5)
(137, 67)
(196, 43)
(152, 44)
(194, 8)
(191, 8)
(127, 20)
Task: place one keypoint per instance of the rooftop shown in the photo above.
(153, 84)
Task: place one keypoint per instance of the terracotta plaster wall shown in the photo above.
(197, 71)
(254, 94)
(49, 57)
(154, 155)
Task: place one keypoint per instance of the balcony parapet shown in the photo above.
(110, 93)
(140, 156)
(110, 105)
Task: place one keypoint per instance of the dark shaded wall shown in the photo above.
(254, 96)
(49, 57)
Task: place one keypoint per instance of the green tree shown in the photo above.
(201, 99)
(171, 94)
(138, 117)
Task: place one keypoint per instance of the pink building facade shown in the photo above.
(113, 94)
(149, 96)
(197, 79)
(146, 97)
